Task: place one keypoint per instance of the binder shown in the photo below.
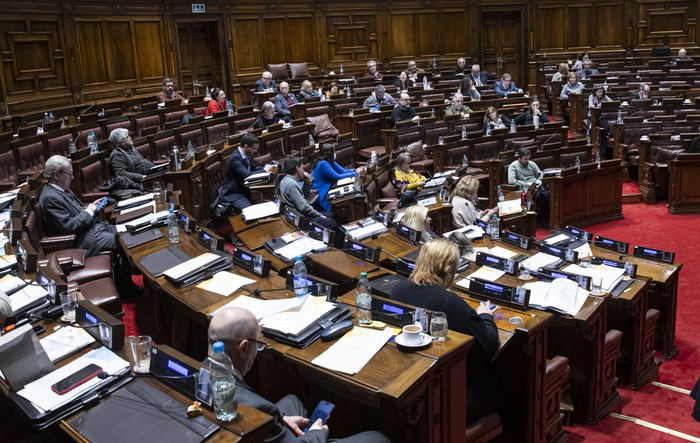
(131, 240)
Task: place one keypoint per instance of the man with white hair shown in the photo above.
(372, 71)
(265, 83)
(238, 329)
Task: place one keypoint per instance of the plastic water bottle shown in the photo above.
(426, 86)
(207, 94)
(50, 116)
(432, 113)
(173, 231)
(373, 158)
(300, 282)
(46, 117)
(434, 63)
(578, 164)
(190, 149)
(363, 300)
(347, 91)
(536, 121)
(465, 134)
(619, 116)
(465, 161)
(605, 86)
(512, 126)
(92, 143)
(229, 108)
(488, 129)
(72, 148)
(597, 159)
(223, 384)
(501, 197)
(495, 227)
(340, 70)
(311, 139)
(588, 136)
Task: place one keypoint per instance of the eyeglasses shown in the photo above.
(260, 345)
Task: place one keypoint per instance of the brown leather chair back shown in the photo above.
(217, 133)
(29, 155)
(162, 143)
(486, 150)
(58, 142)
(8, 171)
(142, 145)
(190, 133)
(144, 121)
(369, 131)
(117, 122)
(213, 177)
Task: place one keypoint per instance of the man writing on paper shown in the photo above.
(291, 191)
(234, 195)
(239, 330)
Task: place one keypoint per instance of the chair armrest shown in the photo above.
(6, 186)
(57, 242)
(90, 197)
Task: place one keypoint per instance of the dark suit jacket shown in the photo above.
(129, 164)
(259, 87)
(279, 433)
(236, 173)
(62, 213)
(483, 76)
(281, 106)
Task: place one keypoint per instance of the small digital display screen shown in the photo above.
(555, 250)
(176, 367)
(610, 263)
(356, 247)
(393, 309)
(491, 287)
(246, 257)
(512, 236)
(411, 265)
(608, 242)
(317, 229)
(558, 275)
(650, 251)
(575, 231)
(492, 259)
(405, 229)
(206, 236)
(90, 318)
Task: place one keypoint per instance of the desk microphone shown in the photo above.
(257, 292)
(402, 260)
(35, 316)
(86, 110)
(103, 376)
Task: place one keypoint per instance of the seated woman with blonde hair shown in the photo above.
(428, 287)
(406, 178)
(416, 218)
(464, 203)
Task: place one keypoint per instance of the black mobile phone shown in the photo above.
(76, 379)
(101, 204)
(322, 411)
(38, 330)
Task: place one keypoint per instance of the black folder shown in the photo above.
(160, 261)
(142, 413)
(312, 332)
(131, 240)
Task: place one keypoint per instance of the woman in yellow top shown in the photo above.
(406, 178)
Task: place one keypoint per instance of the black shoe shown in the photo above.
(236, 241)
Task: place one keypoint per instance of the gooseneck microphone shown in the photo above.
(34, 316)
(402, 260)
(257, 292)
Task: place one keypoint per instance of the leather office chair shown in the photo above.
(8, 171)
(90, 174)
(145, 121)
(29, 156)
(190, 133)
(58, 142)
(82, 269)
(217, 133)
(113, 123)
(101, 292)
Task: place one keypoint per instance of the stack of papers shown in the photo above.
(300, 247)
(560, 295)
(502, 252)
(345, 181)
(354, 350)
(484, 273)
(508, 207)
(294, 321)
(22, 295)
(359, 231)
(65, 341)
(257, 178)
(263, 308)
(610, 276)
(39, 392)
(260, 210)
(225, 283)
(145, 220)
(134, 201)
(541, 260)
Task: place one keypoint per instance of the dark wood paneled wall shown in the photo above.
(66, 52)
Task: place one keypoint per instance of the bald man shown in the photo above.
(239, 330)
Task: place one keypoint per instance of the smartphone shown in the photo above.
(101, 204)
(76, 379)
(322, 411)
(39, 329)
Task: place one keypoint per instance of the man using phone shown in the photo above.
(239, 330)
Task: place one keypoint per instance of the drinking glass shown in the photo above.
(438, 326)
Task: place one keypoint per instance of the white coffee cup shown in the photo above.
(412, 334)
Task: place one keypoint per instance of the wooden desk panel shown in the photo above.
(587, 197)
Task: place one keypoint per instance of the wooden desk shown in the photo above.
(342, 268)
(662, 294)
(578, 104)
(587, 197)
(410, 396)
(251, 425)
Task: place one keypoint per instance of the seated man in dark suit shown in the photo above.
(461, 66)
(404, 111)
(478, 77)
(587, 71)
(267, 116)
(238, 329)
(63, 213)
(644, 93)
(265, 84)
(234, 194)
(283, 101)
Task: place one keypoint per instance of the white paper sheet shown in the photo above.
(568, 298)
(225, 283)
(556, 239)
(471, 232)
(541, 260)
(263, 308)
(502, 252)
(40, 394)
(65, 341)
(293, 322)
(484, 273)
(611, 276)
(352, 352)
(135, 200)
(300, 247)
(260, 210)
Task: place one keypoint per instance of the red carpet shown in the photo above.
(648, 226)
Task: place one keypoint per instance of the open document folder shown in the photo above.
(39, 392)
(560, 295)
(352, 352)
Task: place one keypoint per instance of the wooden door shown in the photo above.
(199, 59)
(503, 47)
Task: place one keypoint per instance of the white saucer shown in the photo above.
(426, 340)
